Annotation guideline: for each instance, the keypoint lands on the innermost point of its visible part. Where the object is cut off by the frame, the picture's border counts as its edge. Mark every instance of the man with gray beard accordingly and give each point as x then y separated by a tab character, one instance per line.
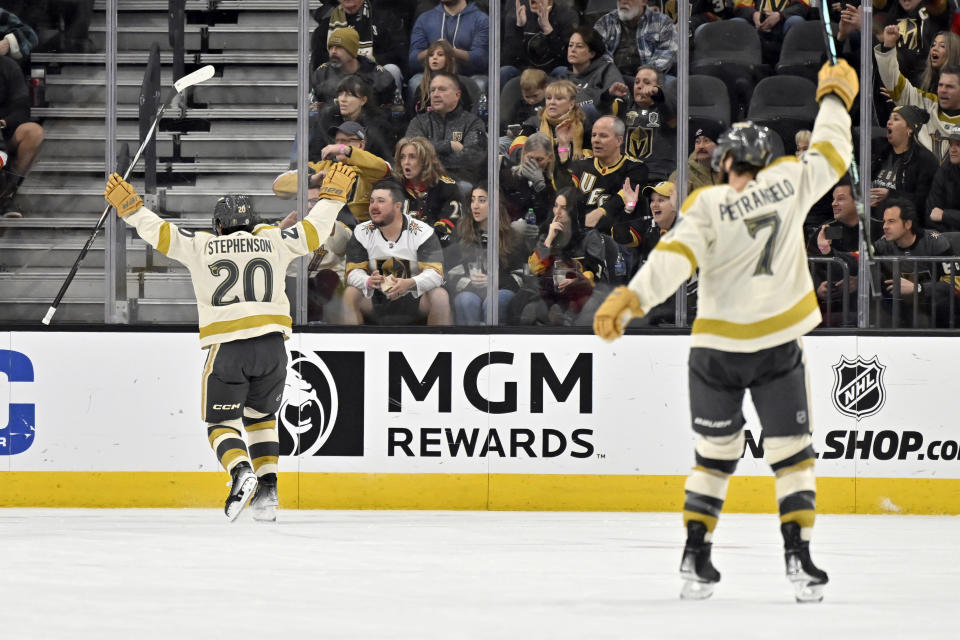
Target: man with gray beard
635	37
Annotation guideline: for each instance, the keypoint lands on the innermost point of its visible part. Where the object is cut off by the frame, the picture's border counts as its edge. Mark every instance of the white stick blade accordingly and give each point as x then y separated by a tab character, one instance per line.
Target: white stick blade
200	75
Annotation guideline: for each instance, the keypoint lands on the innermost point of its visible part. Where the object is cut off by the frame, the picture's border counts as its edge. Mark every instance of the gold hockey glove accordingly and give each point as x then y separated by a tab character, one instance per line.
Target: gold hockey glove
839	79
616	311
121	195
338	183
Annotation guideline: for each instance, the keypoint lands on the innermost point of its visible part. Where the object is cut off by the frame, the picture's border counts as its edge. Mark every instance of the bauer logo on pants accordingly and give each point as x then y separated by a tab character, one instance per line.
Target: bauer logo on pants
858	389
322	409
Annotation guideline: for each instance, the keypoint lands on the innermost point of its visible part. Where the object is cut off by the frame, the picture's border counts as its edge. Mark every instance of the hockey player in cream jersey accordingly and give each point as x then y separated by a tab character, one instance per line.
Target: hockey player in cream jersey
238	278
756	300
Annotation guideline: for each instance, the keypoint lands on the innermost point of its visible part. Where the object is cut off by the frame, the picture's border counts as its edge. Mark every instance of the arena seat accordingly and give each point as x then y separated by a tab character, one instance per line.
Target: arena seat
785	104
803	51
709	99
731	51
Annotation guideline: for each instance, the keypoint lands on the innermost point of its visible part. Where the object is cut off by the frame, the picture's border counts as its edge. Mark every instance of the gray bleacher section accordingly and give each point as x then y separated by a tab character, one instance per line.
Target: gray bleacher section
248	117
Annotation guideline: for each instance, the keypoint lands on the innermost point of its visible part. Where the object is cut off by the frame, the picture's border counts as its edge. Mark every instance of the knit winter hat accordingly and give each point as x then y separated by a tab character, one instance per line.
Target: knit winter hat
347	39
915	116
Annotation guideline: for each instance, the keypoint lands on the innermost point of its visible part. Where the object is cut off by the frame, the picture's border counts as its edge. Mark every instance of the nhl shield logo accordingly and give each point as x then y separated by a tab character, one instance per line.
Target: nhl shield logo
858	389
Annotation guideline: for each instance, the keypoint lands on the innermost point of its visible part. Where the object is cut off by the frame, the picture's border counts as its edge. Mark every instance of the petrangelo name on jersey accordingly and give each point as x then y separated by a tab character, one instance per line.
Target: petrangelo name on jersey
238	245
867	444
756	199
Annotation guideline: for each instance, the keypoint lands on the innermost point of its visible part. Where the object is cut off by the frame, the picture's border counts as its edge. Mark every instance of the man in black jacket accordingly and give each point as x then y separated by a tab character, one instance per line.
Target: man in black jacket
343	47
383	32
943	203
459	137
902	236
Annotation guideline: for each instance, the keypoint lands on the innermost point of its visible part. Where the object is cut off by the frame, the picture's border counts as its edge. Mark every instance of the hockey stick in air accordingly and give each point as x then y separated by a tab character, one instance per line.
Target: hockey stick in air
200	75
854	172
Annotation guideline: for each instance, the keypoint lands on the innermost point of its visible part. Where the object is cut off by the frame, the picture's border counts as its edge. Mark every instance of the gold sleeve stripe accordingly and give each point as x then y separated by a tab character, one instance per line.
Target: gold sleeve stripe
898	89
781	160
828	151
313	238
357	265
207	370
436	266
163	243
675	246
250	322
691	197
750	330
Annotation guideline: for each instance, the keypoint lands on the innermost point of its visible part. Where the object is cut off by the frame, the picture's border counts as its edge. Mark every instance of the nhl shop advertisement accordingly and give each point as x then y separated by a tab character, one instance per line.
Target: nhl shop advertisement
464	404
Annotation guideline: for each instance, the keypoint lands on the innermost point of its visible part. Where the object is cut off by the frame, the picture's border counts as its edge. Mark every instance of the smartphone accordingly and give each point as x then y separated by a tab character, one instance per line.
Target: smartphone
833	232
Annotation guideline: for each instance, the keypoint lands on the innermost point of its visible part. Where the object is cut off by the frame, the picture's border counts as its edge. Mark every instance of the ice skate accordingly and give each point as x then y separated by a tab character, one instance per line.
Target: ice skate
244	484
808	581
263	506
696	569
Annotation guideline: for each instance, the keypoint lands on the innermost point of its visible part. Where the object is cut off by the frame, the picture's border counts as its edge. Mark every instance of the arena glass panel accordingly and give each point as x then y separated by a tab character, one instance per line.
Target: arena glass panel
48	200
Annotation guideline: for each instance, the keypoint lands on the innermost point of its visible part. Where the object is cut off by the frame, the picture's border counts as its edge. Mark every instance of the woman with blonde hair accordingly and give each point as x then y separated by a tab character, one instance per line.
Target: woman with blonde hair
944	52
564	122
432	196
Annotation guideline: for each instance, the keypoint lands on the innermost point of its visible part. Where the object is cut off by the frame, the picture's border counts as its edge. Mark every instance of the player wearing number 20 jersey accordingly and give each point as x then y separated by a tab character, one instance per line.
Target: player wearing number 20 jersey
238	278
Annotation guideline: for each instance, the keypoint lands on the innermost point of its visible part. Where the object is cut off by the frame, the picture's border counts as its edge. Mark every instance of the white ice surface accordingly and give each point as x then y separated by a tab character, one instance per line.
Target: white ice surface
174	574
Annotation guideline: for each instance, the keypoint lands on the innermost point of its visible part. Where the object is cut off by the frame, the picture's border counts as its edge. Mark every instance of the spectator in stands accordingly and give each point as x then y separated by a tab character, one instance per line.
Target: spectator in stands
382	34
593	72
468	278
348	147
636	37
22	137
354	103
704	11
600	179
439	58
561	118
535	36
513	113
839	238
902	236
70	19
802	141
17	39
459	136
461	24
918	22
906	168
432	196
343	48
700	172
325	271
943	53
569	263
529	185
772	19
394	266
652	123
944	109
943	203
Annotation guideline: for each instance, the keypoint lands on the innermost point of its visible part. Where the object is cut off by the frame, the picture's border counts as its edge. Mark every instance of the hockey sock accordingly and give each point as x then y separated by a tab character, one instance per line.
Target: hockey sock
264	444
228	444
706	487
792	460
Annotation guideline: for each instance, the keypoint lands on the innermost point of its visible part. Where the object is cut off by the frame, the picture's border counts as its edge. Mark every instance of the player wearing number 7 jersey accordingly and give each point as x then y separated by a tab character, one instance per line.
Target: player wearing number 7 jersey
756	299
238	278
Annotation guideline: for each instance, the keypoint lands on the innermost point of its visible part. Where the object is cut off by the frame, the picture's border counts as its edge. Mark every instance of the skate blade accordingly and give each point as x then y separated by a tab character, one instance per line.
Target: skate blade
696	590
246	492
804	591
268	514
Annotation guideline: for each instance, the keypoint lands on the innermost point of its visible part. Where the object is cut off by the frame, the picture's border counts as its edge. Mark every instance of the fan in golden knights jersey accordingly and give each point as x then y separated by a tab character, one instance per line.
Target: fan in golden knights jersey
394	266
600	179
756	300
238	278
